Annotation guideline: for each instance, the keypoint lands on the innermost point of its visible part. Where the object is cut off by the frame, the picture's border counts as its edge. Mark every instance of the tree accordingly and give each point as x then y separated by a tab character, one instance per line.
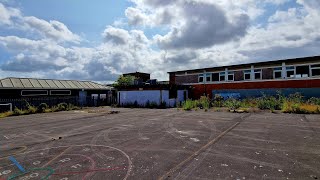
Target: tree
124	81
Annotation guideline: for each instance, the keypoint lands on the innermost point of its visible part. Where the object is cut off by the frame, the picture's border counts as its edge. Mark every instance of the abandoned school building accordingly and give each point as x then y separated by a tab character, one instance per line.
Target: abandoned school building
146	90
51	91
254	79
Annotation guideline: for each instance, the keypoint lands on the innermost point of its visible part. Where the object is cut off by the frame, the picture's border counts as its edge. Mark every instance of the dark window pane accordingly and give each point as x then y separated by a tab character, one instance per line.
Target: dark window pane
315	72
290	74
60	92
201	79
208	78
230	77
34	93
247	76
302	71
277	75
222	78
315	66
257	75
215	77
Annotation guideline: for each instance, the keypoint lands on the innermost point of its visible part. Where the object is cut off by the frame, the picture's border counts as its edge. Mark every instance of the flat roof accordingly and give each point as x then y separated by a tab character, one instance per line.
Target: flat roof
255	63
32	83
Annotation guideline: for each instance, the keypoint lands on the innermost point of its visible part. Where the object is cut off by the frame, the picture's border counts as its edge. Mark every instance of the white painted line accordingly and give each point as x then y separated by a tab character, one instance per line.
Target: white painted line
6	137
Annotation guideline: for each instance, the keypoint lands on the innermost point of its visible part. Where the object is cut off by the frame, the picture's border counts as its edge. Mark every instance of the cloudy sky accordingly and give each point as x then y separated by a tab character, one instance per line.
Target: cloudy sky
100	39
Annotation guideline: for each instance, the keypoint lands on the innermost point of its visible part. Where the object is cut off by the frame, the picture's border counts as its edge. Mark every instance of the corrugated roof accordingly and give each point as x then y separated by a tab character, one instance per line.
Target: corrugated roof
29	83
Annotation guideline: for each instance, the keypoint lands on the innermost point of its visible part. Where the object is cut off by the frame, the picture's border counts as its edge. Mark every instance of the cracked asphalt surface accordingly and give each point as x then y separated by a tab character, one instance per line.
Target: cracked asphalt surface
160	144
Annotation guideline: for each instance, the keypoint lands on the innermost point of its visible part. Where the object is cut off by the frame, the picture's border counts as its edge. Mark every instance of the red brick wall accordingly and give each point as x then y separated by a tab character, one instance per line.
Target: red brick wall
200	89
186	79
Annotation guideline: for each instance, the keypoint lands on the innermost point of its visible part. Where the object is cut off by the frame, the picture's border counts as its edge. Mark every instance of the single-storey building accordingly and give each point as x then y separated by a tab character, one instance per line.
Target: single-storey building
253	79
49	90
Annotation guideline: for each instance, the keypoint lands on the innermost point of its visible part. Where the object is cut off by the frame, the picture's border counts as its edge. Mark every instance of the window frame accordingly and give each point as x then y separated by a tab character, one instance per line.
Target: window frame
69	94
245	72
199	76
35	91
313	68
231	73
256	71
276	70
220	75
208	75
288	70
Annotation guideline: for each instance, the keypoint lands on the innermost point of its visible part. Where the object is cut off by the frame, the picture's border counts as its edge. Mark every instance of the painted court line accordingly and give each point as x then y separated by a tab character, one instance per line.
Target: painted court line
57	156
198	152
15	162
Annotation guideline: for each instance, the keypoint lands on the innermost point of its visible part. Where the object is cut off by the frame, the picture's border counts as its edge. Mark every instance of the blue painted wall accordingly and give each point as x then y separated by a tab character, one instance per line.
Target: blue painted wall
247	93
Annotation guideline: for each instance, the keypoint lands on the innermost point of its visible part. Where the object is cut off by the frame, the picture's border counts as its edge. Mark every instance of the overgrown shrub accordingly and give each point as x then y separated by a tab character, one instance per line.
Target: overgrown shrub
42	107
308	109
232	104
153	105
217	101
189	105
204	102
269	102
163	105
18	111
314	101
6	114
62	106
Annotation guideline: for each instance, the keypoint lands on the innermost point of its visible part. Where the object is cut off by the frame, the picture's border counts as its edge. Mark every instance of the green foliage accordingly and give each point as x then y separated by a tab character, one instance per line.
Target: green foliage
204	102
62	106
189	105
269	102
42	107
6	114
18	112
217	101
124	81
314	101
232	104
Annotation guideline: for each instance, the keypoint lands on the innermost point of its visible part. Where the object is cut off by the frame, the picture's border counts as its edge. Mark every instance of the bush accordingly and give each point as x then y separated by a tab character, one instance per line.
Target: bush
308	109
270	103
289	107
217	101
6	114
18	111
232	104
204	102
189	105
62	107
163	105
32	109
314	101
42	107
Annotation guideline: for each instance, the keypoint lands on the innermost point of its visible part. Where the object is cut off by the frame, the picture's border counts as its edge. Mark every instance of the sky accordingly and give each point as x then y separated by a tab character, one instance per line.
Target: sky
99	40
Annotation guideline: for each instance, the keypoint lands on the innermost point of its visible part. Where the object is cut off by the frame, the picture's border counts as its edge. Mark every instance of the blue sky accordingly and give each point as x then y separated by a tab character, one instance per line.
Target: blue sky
99	40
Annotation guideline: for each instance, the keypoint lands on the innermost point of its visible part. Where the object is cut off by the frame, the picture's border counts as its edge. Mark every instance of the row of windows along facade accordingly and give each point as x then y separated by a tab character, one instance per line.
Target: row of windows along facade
281	72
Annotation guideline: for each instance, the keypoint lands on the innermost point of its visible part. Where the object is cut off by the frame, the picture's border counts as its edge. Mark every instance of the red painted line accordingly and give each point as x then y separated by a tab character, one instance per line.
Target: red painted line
89	170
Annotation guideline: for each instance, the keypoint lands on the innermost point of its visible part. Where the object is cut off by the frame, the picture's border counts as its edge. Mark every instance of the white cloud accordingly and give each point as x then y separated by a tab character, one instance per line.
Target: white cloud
53	29
194	34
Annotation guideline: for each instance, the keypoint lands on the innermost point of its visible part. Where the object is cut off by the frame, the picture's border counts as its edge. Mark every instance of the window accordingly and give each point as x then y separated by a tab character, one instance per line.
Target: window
222	76
290	71
201	78
315	70
302	71
247	74
230	76
34	92
208	77
257	74
215	77
60	92
277	73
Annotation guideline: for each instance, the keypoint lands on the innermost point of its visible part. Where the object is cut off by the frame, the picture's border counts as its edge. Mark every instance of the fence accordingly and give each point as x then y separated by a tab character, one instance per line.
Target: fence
21	103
